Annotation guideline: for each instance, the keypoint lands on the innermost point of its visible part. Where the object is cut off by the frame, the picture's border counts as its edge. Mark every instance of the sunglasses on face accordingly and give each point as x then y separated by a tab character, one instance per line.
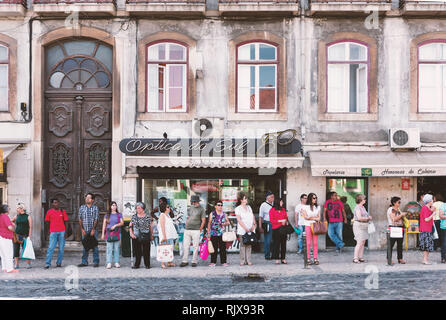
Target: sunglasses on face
219	205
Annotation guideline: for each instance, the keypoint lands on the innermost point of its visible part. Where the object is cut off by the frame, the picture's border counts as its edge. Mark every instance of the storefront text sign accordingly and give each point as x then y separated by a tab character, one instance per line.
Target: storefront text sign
378	172
208	148
405	184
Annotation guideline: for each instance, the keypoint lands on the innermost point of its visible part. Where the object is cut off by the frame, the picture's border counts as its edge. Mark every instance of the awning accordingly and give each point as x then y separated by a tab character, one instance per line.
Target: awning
214	162
8	149
377	164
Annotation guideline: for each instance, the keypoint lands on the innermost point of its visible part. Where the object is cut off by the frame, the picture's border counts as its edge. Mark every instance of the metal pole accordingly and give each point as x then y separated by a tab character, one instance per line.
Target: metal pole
304	247
389	249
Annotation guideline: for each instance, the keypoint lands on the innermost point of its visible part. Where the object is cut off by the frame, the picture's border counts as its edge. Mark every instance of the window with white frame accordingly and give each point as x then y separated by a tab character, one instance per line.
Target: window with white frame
347	78
4	78
166	77
432	77
257	77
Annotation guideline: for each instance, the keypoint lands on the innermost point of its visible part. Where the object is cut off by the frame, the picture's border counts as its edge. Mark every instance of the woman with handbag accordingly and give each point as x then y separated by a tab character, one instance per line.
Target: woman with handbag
23	230
395	218
141	232
311	213
6	234
111	232
426	226
279	219
246	227
166	230
217	222
360	228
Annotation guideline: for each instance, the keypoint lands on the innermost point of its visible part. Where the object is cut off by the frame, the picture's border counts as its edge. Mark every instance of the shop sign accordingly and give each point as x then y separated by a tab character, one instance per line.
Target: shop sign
225	147
405	184
379	172
366	172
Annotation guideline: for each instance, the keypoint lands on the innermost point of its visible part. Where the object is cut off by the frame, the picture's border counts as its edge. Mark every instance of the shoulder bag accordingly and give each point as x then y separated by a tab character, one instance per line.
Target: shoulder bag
112	235
286	229
229	236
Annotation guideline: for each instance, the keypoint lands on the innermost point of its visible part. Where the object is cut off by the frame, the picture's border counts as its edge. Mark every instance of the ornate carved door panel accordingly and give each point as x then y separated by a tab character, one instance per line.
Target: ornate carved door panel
77	153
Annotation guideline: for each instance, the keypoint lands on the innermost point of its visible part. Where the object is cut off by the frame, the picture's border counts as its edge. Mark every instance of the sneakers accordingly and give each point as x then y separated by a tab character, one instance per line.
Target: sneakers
117	265
58	266
183	264
108	266
46	267
81	265
212	265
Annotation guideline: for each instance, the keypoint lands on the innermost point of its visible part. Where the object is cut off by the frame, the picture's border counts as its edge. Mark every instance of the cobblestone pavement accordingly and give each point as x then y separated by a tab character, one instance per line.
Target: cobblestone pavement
403	285
335	278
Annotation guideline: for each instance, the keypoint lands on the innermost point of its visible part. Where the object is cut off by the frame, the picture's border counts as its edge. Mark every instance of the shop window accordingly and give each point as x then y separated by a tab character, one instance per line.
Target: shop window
257	77
166	77
432	77
347	72
4	71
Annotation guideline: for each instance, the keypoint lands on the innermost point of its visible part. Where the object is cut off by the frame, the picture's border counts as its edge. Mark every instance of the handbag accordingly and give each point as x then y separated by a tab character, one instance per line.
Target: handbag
164	253
204	251
143	236
229	236
319	227
396	232
371	228
286	229
112	235
28	250
16	238
210	247
249	238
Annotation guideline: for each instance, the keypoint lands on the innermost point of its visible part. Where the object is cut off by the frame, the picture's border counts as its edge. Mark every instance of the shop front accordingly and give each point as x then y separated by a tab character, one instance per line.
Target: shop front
213	178
380	176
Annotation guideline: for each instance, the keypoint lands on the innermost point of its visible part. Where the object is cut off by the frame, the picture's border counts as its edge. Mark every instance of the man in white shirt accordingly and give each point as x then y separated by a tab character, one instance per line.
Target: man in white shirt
300	221
265	225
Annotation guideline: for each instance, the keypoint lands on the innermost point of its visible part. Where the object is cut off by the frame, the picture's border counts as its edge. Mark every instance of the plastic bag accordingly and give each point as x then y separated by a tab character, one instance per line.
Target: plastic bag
28	250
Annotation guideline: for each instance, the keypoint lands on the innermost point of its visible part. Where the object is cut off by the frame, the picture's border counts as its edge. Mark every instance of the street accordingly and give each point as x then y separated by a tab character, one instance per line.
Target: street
414	285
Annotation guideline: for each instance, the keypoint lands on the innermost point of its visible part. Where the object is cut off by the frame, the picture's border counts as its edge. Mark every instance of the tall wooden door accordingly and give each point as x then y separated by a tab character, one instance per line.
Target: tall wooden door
77	127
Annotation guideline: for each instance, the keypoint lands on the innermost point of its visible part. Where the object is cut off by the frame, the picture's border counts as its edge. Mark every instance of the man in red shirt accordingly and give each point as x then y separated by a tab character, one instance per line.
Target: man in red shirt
57	218
334	209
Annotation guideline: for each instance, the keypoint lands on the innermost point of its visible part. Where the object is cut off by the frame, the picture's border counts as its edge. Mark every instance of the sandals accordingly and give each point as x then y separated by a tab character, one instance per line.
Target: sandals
284	262
316	261
401	261
361	260
356	260
163	266
309	262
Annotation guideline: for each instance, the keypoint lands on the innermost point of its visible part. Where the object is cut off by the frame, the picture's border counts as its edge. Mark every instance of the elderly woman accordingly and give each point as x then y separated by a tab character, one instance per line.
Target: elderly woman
360	228
426	221
141	232
23	230
6	233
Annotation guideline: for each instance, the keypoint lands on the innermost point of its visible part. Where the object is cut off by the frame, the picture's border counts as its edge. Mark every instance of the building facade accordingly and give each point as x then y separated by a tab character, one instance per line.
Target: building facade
97	94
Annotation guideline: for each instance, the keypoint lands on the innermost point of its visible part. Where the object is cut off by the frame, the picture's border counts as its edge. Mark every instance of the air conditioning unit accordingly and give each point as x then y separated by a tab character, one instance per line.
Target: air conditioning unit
208	128
404	138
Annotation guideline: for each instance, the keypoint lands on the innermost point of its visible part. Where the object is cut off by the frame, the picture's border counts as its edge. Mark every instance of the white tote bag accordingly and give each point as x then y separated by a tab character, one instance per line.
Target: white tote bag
164	253
396	232
229	236
434	232
28	251
371	228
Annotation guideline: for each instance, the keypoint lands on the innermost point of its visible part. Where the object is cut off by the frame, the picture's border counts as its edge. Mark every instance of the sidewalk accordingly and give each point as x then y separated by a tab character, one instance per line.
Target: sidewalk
330	262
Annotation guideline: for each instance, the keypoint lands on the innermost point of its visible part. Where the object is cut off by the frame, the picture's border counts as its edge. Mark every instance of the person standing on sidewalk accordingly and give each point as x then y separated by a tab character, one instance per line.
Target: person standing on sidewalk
395	219
311	213
265	225
88	221
300	221
438	204
112	224
196	219
6	234
360	227
278	217
23	230
141	232
57	218
426	222
166	229
217	222
443	232
334	213
246	223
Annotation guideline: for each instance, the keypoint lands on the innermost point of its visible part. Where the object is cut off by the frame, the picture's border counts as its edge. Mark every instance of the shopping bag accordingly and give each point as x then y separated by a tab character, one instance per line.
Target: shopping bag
164	253
204	251
396	232
28	251
210	247
371	228
434	232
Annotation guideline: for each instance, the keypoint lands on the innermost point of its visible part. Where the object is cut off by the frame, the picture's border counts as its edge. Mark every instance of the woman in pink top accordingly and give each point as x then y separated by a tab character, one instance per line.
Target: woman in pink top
426	221
278	218
6	234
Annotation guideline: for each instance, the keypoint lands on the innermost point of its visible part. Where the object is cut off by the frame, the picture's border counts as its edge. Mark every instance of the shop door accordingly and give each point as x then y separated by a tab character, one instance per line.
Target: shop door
77	154
347	189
